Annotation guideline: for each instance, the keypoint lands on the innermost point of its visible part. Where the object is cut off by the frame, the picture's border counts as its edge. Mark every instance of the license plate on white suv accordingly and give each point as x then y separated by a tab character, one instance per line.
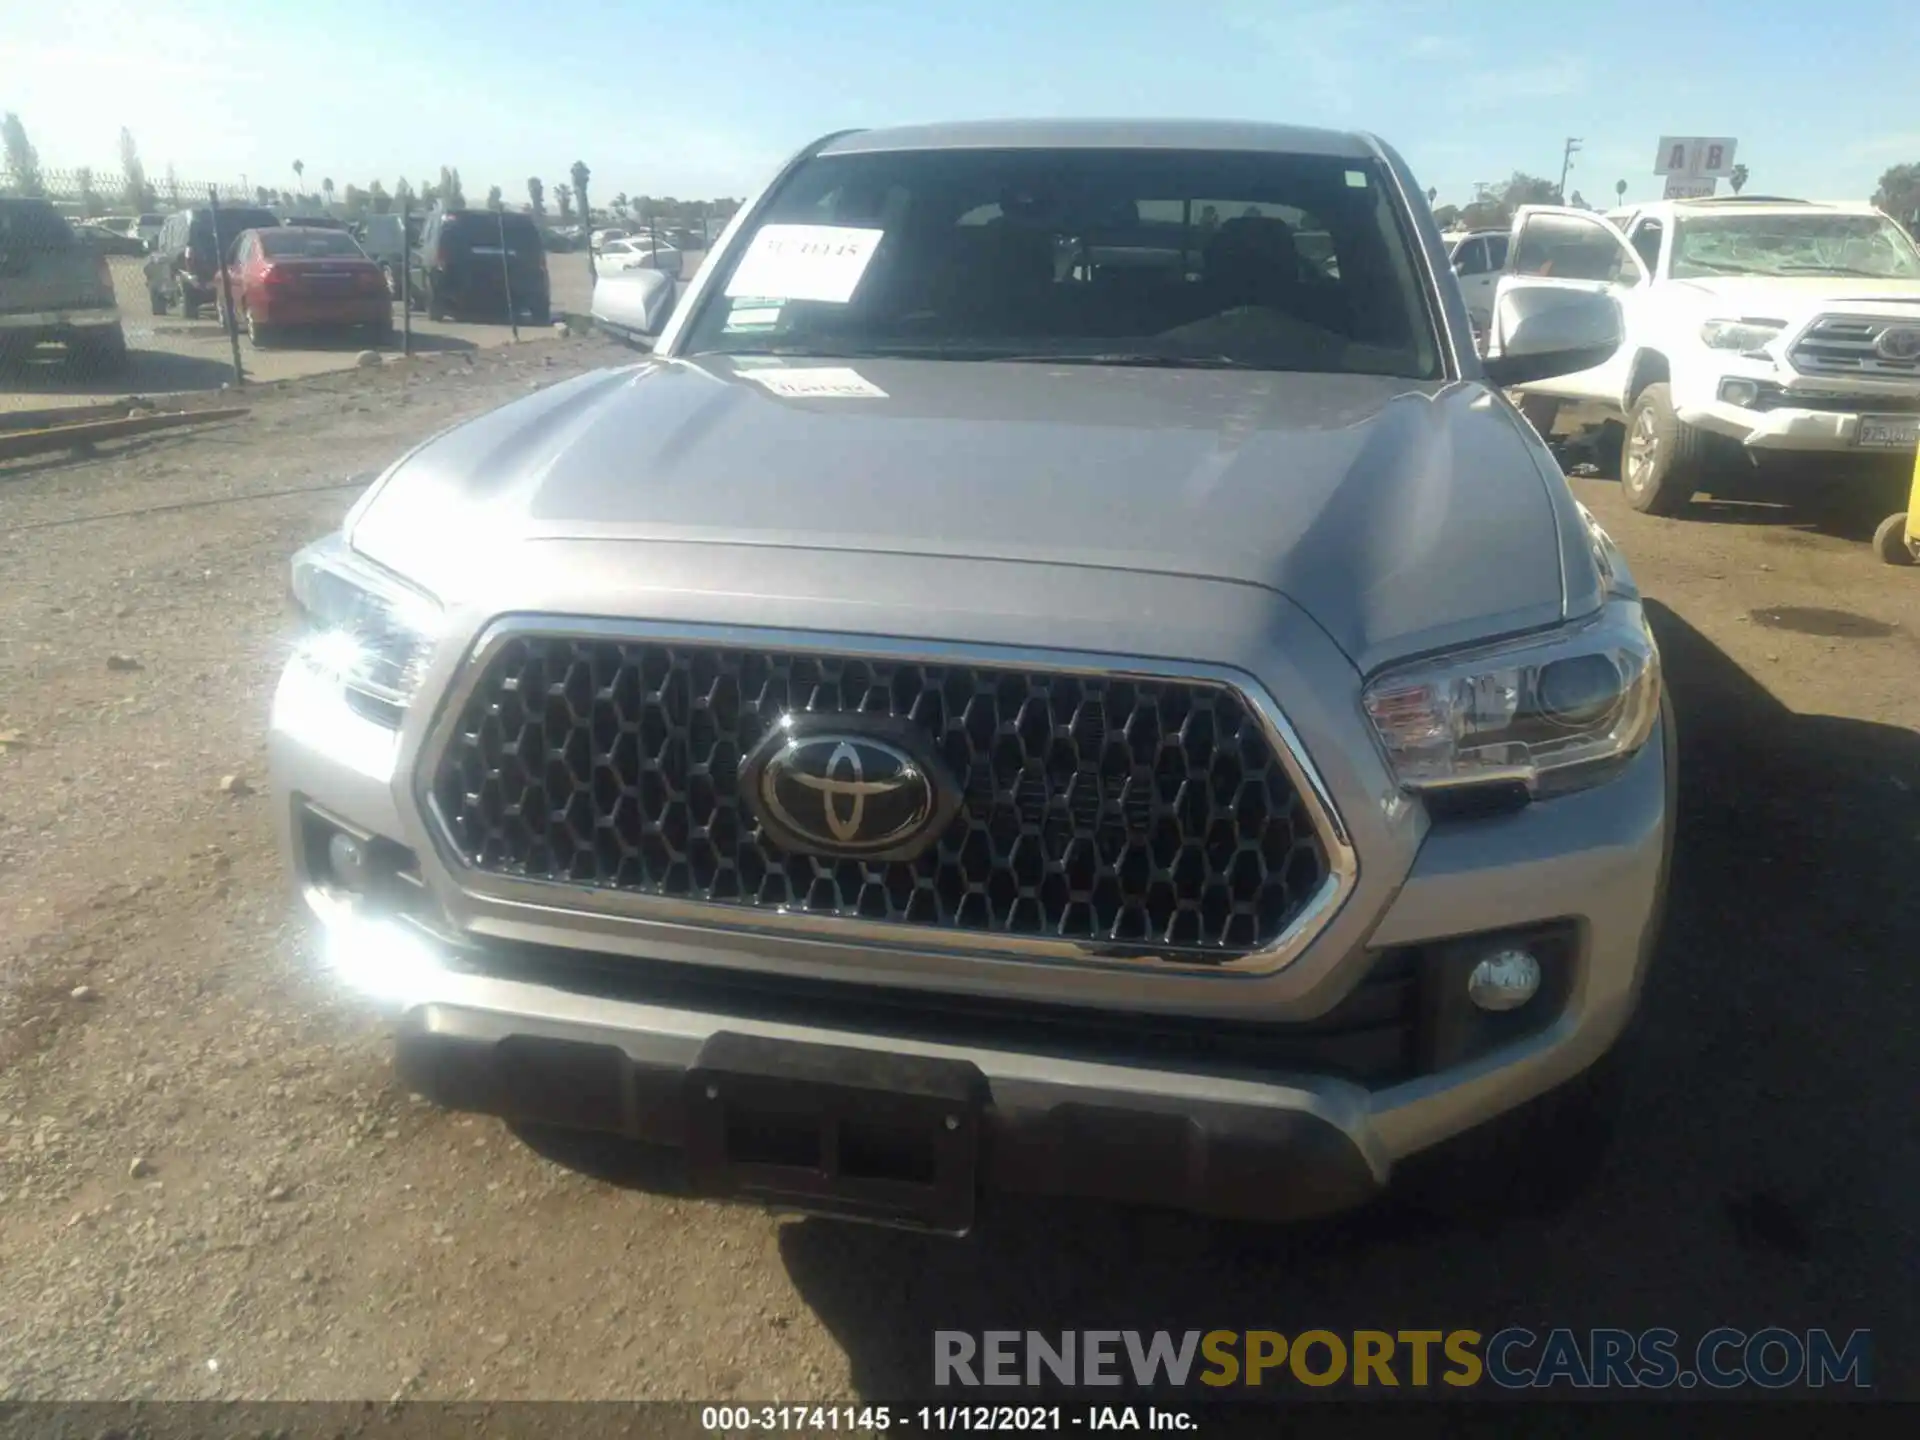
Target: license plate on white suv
1888	432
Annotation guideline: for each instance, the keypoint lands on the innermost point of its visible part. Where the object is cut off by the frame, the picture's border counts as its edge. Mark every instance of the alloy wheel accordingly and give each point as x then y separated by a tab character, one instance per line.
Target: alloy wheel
1643	451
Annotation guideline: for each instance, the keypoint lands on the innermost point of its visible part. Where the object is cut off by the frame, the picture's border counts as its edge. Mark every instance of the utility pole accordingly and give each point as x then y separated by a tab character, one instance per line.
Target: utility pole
1566	164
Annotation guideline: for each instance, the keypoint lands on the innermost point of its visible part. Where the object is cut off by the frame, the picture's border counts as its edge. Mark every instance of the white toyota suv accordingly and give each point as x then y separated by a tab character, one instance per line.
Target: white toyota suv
1753	329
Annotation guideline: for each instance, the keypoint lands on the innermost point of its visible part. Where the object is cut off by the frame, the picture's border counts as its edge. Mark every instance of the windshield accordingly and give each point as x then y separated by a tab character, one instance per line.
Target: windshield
1270	261
1812	244
287	244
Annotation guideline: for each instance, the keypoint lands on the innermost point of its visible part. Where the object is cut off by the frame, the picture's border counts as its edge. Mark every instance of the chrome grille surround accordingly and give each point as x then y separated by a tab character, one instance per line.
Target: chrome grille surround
1844	345
860	911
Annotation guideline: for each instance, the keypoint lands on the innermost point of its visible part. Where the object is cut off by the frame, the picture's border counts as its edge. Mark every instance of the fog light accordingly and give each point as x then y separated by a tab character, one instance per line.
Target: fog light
347	860
1739	392
1505	980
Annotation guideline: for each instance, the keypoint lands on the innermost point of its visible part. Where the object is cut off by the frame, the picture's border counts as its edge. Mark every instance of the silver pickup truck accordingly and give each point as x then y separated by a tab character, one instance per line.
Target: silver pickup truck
962	717
55	289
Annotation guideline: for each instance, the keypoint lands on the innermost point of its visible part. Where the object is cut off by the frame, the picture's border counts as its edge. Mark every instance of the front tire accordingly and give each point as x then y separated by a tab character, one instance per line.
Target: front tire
436	307
1890	541
189	302
258	335
1665	460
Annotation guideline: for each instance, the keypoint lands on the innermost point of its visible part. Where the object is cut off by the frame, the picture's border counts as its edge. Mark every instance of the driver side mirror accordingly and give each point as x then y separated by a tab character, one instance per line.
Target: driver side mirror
1543	328
634	305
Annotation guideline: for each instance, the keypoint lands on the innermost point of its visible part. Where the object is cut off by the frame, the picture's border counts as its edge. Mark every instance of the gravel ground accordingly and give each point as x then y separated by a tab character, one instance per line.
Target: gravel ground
210	1185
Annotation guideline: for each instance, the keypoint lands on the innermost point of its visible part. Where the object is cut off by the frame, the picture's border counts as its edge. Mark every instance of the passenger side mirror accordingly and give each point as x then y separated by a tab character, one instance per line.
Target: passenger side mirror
1543	328
634	305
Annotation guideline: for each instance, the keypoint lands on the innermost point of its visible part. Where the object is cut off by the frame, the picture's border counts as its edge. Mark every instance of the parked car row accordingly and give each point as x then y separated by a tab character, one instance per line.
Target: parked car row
275	276
465	264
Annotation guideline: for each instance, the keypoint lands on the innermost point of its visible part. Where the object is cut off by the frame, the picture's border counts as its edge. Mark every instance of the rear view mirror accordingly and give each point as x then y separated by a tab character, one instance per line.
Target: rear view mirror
634	304
1543	328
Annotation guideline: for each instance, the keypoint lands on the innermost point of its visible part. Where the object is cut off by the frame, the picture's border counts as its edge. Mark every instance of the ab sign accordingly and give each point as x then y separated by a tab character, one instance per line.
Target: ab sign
1693	164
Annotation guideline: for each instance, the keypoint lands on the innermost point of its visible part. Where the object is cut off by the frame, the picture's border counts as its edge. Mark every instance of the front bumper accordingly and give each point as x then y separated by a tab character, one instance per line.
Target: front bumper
1785	430
1112	1120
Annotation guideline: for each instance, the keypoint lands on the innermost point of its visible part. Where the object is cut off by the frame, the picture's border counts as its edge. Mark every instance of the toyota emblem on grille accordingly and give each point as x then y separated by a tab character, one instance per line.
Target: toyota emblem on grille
1898	342
848	786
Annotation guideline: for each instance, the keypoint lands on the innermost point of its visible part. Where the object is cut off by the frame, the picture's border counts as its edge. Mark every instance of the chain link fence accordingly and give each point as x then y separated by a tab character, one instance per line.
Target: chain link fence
85	194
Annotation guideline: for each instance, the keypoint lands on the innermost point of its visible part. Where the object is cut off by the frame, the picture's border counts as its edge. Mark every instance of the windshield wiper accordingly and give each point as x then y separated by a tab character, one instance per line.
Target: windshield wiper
1141	359
1802	267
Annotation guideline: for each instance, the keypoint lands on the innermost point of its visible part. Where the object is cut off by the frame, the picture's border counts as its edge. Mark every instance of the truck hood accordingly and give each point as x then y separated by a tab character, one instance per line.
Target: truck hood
1786	298
1402	516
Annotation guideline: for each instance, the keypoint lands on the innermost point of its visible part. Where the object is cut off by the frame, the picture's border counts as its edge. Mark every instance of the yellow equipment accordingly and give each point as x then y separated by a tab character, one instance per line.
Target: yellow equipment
1898	538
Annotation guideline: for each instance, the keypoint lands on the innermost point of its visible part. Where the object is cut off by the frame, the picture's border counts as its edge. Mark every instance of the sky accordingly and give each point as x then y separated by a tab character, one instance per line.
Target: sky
704	98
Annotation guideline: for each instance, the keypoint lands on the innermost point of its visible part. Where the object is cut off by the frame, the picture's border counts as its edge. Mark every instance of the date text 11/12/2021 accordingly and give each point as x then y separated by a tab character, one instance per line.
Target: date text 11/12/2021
940	1419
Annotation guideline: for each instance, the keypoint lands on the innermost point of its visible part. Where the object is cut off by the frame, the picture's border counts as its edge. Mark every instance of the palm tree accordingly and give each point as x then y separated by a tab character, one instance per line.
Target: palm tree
326	189
1738	178
299	173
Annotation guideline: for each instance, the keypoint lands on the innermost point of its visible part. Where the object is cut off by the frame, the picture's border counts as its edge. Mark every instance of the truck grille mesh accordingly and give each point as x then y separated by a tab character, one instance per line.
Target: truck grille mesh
1845	345
1111	811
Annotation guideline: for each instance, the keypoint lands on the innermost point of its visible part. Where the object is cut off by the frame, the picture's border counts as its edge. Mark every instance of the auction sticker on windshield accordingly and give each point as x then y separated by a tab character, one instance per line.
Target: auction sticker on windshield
753	313
804	262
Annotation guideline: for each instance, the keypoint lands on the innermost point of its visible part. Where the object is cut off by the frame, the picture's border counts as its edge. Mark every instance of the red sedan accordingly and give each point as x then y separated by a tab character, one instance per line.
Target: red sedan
307	277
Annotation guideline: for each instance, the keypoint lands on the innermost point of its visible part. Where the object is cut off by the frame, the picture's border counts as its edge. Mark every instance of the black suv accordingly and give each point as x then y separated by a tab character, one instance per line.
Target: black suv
470	262
183	266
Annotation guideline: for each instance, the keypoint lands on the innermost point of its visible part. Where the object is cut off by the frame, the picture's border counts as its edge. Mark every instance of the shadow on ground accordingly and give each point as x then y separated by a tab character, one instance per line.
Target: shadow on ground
1844	498
147	372
332	341
1765	1172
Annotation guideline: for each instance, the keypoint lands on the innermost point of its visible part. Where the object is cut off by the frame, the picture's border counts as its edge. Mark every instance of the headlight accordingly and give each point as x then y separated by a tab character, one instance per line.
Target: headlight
1547	712
1745	336
367	630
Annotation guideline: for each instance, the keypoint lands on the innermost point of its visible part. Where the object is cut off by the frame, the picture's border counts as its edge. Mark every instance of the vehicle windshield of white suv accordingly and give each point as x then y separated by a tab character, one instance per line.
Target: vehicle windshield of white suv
1812	244
1093	256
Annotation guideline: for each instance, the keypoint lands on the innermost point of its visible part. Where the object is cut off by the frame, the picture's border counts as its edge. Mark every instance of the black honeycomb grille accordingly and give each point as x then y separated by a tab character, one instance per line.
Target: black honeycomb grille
1111	811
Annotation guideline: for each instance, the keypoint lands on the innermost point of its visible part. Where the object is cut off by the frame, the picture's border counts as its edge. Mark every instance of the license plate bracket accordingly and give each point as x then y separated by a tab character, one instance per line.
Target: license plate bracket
1888	432
834	1130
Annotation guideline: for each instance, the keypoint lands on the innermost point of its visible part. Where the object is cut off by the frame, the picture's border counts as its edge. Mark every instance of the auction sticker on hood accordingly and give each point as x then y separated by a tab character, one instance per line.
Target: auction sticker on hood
817	382
804	262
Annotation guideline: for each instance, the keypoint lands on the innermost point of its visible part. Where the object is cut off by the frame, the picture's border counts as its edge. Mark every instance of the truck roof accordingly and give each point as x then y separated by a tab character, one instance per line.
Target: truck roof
1108	134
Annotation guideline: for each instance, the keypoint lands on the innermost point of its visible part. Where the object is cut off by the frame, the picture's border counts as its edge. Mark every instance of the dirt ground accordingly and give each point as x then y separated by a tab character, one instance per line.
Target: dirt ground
210	1185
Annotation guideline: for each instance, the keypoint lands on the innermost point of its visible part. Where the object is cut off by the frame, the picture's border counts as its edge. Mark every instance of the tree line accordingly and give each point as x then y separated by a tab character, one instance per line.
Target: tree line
135	191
